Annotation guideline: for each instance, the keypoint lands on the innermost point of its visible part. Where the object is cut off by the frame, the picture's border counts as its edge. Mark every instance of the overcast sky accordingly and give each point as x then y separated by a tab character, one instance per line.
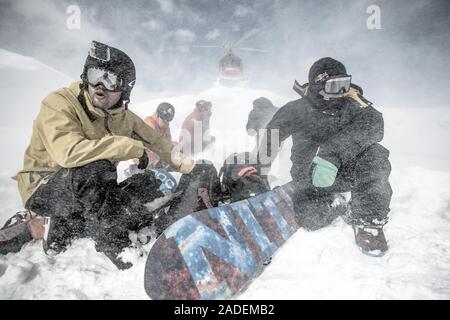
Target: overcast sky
403	63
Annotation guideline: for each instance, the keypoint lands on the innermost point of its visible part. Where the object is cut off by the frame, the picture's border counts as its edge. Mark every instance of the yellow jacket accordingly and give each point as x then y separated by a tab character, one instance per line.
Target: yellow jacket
66	135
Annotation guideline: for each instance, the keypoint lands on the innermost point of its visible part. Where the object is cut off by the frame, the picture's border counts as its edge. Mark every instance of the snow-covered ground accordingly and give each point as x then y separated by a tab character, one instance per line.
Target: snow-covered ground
321	264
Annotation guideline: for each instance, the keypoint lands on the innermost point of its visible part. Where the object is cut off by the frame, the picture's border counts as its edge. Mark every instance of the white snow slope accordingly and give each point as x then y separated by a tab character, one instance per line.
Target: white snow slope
312	265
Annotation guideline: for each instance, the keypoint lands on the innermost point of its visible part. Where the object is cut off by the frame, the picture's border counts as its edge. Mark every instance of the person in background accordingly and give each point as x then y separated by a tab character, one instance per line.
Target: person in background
195	135
259	116
160	122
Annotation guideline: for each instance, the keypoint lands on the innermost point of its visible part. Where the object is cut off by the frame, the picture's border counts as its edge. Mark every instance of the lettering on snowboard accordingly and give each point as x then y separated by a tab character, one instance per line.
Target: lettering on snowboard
225	247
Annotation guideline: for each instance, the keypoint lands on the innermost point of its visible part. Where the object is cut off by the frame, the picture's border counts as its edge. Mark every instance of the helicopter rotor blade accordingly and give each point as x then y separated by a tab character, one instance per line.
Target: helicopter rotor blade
205	46
246	36
252	49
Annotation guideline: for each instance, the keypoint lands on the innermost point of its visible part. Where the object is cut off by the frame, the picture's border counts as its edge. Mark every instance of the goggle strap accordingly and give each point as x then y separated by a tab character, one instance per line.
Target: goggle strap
355	95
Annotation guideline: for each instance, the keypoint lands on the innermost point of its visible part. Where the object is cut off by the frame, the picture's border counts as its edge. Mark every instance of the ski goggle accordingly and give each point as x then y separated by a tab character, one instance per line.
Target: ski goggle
109	80
337	84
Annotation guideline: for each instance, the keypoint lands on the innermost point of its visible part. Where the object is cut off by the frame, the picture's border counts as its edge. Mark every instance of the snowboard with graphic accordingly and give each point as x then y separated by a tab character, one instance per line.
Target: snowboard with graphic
216	253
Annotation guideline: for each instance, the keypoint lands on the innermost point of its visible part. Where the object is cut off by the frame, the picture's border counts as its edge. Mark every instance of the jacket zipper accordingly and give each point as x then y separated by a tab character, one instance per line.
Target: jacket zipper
106	122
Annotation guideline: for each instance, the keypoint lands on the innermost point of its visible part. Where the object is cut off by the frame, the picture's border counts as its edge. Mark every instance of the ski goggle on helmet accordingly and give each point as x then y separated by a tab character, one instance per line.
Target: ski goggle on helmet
108	79
337	84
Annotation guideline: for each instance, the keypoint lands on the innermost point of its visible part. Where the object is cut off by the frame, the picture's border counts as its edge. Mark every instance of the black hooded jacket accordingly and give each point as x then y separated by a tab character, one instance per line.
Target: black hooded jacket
260	115
336	130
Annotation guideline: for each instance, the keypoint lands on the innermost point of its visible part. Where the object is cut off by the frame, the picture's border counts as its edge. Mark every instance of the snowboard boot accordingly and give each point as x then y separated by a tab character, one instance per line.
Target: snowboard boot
371	239
14	234
21	228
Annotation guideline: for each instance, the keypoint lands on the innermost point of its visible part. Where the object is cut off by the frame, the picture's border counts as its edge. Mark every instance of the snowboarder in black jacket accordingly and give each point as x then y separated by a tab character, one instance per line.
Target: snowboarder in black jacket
336	134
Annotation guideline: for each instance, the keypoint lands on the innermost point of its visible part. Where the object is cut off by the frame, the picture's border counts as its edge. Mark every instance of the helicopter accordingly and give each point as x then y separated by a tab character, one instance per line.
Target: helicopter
231	68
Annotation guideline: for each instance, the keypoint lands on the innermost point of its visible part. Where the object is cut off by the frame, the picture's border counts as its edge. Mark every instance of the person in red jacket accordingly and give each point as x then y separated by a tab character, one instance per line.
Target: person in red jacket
159	121
195	135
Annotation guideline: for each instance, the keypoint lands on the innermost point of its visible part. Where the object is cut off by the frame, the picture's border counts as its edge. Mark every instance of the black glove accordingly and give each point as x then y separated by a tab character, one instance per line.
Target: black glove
143	161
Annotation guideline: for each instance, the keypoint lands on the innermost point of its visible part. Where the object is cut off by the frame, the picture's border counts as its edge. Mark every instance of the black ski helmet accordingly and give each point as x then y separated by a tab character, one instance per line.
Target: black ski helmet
165	111
112	59
320	70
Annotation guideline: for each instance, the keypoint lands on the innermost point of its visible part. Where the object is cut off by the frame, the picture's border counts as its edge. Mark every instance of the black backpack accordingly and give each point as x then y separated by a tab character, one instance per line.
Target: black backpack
237	187
197	190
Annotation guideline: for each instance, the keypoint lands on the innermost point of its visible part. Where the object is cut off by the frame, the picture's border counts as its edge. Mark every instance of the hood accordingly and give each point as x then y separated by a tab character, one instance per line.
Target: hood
263	103
321	69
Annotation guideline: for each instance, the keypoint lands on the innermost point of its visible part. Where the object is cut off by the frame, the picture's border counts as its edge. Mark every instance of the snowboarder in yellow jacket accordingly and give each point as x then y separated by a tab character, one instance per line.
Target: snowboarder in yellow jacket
79	136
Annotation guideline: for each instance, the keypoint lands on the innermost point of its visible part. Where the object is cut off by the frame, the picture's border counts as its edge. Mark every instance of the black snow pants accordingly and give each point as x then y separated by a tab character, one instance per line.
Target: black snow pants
87	201
366	177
